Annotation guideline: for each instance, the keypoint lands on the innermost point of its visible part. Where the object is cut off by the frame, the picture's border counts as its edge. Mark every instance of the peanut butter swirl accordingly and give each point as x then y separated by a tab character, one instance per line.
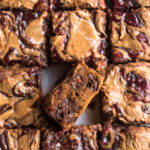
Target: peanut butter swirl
127	93
22	38
20	92
20	139
130	35
79	35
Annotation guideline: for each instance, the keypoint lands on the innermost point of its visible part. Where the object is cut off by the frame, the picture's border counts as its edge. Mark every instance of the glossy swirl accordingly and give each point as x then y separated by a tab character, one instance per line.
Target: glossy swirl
19	92
22	38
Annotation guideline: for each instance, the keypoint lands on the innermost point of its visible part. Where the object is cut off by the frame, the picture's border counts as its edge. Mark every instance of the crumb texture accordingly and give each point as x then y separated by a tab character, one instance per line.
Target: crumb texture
70	98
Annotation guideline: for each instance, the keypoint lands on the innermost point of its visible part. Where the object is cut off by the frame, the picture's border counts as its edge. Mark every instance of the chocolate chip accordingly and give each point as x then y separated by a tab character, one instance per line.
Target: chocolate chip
93	83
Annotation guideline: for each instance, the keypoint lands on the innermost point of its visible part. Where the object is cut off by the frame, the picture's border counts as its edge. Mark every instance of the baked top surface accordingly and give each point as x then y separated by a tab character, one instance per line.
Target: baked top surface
124	138
22	139
130	32
126	90
72	41
38	5
22	38
76	35
20	90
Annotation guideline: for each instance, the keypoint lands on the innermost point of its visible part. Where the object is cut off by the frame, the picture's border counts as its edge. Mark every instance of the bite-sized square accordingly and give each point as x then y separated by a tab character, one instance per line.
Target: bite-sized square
79	35
20	93
76	138
130	4
38	5
124	138
70	98
22	38
127	93
130	35
20	139
63	4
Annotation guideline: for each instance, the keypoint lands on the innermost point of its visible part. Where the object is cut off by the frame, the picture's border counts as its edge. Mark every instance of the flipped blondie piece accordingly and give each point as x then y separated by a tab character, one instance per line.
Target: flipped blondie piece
61	4
127	93
79	35
38	5
130	4
19	139
76	138
20	93
70	98
130	35
22	38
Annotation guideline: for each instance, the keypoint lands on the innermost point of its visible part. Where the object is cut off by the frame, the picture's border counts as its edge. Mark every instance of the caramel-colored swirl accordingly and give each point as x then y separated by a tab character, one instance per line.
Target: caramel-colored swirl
22	37
127	92
131	35
23	139
29	4
75	42
19	91
108	139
